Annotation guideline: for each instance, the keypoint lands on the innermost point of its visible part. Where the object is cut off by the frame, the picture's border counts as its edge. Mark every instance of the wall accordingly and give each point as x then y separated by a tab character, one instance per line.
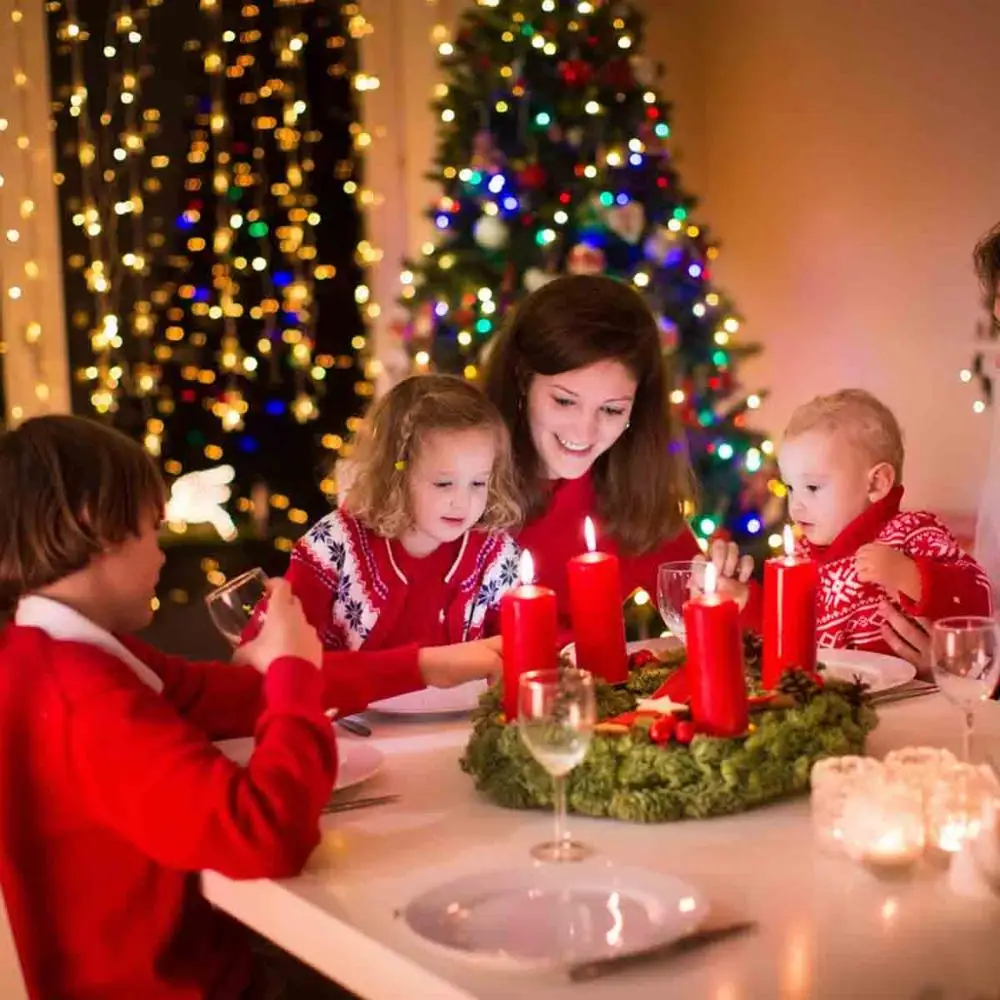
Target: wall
847	158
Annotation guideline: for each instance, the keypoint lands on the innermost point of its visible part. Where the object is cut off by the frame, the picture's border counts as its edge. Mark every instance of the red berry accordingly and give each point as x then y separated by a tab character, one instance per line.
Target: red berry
641	657
684	731
661	730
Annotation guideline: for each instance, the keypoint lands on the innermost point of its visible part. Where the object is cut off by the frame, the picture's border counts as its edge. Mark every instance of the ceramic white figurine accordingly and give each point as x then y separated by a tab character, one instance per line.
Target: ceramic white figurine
975	870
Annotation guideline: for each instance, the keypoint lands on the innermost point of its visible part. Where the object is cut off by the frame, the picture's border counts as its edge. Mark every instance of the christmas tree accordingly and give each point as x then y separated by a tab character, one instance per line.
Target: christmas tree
258	332
553	157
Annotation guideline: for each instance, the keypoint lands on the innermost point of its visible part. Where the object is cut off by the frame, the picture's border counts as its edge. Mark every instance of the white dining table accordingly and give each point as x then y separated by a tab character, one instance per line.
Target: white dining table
825	926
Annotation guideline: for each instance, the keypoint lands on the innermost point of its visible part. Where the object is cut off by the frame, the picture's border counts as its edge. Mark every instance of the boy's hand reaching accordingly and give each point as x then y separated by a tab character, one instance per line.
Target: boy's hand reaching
285	632
734	571
447	666
889	568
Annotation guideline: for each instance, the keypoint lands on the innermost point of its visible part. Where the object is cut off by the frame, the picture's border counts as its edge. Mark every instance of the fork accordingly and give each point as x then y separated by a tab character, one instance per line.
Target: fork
365	803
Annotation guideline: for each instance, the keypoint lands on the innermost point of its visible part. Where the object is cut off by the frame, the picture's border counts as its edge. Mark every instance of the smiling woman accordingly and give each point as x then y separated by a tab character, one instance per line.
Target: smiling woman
580	380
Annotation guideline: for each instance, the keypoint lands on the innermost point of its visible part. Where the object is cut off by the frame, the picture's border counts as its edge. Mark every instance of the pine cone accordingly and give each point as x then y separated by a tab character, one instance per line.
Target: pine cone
800	685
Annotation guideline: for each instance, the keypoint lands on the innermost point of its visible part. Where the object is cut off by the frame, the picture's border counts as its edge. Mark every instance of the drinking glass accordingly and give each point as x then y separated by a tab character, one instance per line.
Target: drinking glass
231	606
556	716
676	583
966	666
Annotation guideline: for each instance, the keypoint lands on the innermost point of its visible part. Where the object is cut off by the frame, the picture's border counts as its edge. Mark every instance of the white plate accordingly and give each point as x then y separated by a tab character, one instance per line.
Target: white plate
549	915
879	671
357	761
662	644
433	701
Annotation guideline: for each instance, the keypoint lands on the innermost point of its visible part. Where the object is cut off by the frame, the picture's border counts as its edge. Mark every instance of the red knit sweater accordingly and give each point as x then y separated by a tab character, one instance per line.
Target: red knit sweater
114	799
951	581
556	535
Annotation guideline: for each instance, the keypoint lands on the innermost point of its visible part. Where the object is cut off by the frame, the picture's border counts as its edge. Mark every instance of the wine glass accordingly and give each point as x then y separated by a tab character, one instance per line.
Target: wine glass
556	714
232	605
966	664
676	582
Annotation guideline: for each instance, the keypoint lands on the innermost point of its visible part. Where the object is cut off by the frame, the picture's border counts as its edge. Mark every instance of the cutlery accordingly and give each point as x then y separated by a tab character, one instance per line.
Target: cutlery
704	935
353	726
913	690
366	803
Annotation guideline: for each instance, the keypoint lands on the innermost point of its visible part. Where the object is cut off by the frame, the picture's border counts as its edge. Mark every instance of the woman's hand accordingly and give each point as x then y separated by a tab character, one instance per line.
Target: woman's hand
908	638
734	571
285	631
447	666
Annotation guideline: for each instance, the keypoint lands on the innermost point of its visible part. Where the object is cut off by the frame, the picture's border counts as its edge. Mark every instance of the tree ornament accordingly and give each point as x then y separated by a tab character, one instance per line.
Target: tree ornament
535	278
575	136
627	221
644	70
669	334
485	155
586	259
575	72
617	74
490	232
658	244
532	176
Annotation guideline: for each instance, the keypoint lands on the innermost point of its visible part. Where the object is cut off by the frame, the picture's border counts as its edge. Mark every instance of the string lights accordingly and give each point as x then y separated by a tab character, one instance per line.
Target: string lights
552	158
25	262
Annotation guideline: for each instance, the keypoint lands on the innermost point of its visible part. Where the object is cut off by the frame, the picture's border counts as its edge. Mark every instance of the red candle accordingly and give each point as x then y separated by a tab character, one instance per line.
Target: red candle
715	662
595	603
528	631
790	585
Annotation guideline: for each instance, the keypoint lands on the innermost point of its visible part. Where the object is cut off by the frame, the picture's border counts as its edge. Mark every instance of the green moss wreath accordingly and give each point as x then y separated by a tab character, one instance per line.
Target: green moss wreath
631	778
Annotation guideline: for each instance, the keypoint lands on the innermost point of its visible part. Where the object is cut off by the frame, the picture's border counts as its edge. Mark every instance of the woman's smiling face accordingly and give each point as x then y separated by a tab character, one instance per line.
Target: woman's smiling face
578	415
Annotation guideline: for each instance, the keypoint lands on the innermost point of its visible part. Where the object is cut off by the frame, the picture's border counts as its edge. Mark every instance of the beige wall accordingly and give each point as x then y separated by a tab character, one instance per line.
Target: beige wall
847	153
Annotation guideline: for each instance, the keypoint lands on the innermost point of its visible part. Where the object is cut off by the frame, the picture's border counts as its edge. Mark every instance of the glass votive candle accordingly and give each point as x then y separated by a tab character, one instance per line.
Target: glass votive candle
832	780
920	766
955	806
883	823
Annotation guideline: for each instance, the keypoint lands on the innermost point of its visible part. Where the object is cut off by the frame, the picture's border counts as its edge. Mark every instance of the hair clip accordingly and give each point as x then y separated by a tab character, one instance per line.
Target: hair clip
400	465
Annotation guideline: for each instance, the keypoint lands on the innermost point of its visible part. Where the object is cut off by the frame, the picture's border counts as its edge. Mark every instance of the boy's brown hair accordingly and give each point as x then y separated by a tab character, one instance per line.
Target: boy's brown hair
643	481
866	422
69	487
378	495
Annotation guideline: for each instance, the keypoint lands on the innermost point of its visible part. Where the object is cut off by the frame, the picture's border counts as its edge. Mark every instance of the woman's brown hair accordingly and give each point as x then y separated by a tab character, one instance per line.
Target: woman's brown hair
69	487
986	258
392	435
644	478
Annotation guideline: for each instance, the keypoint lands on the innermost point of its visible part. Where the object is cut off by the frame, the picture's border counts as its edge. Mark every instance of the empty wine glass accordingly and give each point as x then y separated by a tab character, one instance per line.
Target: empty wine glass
964	659
556	715
232	605
676	582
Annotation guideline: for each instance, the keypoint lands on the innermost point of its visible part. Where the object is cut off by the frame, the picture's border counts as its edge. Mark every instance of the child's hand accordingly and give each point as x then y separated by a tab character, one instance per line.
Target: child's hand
446	666
285	632
733	571
889	568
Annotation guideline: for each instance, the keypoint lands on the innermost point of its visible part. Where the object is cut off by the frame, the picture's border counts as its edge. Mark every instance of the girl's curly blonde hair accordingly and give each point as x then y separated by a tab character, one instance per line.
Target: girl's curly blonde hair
391	436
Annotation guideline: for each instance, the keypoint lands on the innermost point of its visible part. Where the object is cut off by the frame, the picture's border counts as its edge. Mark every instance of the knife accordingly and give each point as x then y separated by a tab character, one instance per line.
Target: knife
585	971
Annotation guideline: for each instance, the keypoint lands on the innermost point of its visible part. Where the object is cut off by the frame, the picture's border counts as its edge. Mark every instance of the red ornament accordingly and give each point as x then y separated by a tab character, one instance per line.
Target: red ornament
576	72
532	176
617	74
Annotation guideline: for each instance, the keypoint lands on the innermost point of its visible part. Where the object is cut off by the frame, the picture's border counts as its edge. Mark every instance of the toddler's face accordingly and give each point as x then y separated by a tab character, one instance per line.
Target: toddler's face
828	482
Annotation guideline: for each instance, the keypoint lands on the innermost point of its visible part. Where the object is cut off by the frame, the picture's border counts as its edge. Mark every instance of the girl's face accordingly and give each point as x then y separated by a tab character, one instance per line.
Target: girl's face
576	416
448	479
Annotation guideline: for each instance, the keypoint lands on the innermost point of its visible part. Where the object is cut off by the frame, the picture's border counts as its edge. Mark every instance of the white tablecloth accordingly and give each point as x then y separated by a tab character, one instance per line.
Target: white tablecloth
826	927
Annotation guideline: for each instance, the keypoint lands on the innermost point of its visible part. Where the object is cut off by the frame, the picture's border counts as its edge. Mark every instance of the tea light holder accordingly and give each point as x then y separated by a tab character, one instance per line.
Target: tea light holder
955	806
833	780
975	869
883	823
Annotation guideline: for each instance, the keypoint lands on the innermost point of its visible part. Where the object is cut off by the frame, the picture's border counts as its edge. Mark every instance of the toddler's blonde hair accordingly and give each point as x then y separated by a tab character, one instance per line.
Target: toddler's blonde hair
392	435
867	424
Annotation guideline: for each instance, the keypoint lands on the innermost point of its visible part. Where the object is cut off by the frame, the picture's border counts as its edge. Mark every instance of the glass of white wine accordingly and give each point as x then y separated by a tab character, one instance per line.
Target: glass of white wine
231	606
556	715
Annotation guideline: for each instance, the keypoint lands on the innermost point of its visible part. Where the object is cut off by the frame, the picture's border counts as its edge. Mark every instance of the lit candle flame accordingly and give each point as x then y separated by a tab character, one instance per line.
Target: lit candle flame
526	569
789	541
590	535
711	579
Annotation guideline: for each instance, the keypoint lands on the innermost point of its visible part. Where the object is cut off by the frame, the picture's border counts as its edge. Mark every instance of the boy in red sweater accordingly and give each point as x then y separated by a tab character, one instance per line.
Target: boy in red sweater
842	461
113	795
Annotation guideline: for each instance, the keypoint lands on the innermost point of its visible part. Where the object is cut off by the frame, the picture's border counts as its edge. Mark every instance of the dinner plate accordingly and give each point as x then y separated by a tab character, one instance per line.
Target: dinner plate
433	701
357	761
659	645
878	671
548	915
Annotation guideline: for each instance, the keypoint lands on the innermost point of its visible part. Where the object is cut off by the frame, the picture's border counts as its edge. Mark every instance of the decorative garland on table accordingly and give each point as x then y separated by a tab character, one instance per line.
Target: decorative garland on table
628	776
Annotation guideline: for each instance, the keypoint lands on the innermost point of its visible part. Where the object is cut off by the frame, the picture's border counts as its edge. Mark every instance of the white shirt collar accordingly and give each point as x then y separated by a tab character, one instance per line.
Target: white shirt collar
60	621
